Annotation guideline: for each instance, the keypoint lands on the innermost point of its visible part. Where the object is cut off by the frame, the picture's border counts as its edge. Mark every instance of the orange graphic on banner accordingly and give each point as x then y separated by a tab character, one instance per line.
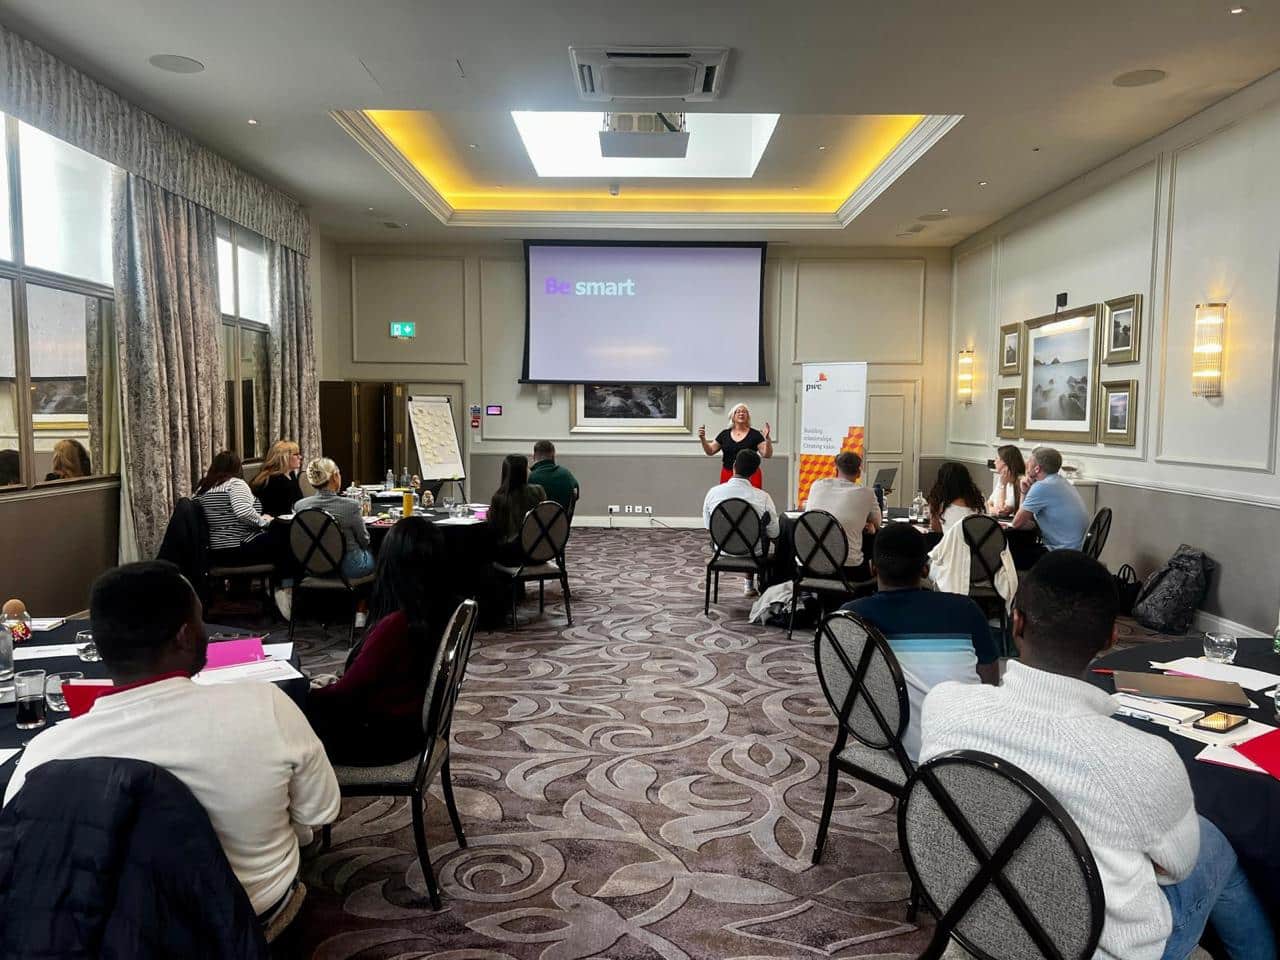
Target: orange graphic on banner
815	466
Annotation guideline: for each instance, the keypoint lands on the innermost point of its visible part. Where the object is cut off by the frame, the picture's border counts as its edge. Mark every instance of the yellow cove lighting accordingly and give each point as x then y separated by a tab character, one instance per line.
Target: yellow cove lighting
430	144
1207	352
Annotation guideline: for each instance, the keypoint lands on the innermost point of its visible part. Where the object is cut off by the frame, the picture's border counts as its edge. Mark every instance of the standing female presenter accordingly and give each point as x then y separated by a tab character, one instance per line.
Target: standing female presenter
739	435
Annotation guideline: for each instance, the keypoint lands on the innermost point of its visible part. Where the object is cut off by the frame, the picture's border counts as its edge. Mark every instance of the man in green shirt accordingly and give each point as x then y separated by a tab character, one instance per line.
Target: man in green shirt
560	484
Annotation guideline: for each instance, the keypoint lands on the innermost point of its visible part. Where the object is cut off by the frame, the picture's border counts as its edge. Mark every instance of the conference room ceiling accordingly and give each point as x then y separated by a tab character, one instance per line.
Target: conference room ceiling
1032	81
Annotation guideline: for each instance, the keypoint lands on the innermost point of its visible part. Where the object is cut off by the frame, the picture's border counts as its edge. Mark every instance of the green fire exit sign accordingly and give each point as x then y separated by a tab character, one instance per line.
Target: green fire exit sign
404	329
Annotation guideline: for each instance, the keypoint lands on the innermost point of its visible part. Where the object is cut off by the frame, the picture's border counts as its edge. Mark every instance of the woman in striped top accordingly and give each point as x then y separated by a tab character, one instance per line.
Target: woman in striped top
236	524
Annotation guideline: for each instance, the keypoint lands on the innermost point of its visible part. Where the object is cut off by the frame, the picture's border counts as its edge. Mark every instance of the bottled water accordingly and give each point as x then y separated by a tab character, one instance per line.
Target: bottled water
390	482
917	506
1275	647
404	477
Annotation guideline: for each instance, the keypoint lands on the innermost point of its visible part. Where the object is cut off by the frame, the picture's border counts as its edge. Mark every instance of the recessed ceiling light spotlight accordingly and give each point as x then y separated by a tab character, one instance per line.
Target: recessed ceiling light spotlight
982	183
944	210
1237	10
1139	78
474	146
822	146
174	63
253	122
615	189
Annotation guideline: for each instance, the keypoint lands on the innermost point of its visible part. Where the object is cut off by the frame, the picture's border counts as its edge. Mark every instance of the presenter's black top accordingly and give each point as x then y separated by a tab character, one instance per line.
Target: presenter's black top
729	447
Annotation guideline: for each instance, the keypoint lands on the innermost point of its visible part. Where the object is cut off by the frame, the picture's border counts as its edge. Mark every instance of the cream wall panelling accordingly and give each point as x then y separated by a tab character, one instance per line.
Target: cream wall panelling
850	310
1224	209
973	325
428	290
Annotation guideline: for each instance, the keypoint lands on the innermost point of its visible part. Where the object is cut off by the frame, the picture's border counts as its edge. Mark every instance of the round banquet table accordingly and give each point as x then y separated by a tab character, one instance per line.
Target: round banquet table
469	546
1244	805
11	737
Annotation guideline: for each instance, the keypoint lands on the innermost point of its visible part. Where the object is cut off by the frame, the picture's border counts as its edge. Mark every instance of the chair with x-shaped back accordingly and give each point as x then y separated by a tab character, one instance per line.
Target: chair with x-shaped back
821	550
738	545
543	536
318	548
998	860
987	543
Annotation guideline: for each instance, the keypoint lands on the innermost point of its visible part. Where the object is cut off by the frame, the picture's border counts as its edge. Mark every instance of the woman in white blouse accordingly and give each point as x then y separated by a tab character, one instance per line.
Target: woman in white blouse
1011	471
953	497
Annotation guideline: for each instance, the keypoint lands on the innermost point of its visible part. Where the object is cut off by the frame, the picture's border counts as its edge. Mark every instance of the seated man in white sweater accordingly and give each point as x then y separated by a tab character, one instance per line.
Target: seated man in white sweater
1165	871
244	749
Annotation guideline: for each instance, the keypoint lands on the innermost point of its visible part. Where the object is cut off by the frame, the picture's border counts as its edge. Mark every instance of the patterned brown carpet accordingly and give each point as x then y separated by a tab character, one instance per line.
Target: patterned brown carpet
643	784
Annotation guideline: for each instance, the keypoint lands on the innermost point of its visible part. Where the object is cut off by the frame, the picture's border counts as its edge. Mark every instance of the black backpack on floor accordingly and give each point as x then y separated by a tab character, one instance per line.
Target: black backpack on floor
1170	597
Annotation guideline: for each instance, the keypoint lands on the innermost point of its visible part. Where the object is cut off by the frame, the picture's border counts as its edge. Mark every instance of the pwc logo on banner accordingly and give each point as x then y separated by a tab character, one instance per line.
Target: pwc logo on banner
816	384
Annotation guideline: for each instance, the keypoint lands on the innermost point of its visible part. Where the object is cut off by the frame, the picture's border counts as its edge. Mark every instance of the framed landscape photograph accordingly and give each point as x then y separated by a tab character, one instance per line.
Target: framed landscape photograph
1010	349
628	408
1058	392
1118	412
1121	329
1009	413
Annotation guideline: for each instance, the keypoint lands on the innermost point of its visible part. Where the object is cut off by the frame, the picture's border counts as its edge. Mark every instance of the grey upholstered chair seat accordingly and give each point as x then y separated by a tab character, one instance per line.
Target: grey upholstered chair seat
831	584
744	564
880	762
248	570
403	772
533	570
333	583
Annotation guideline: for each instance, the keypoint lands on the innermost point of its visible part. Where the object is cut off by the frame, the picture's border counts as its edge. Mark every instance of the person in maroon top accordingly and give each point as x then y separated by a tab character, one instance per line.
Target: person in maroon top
373	714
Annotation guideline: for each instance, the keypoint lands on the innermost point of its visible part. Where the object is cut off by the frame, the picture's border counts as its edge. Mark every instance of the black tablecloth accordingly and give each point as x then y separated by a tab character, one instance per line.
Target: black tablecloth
11	736
469	548
1245	806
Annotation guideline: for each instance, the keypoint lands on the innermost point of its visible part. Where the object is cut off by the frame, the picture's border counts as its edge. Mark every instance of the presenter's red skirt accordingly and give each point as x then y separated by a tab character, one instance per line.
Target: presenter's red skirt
757	478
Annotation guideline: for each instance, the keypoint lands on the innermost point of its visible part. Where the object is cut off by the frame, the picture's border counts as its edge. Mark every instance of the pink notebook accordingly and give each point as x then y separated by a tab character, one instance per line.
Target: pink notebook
228	653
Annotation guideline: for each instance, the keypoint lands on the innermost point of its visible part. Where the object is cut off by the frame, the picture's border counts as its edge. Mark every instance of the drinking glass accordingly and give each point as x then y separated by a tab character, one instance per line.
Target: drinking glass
29	691
1219	647
53	689
86	649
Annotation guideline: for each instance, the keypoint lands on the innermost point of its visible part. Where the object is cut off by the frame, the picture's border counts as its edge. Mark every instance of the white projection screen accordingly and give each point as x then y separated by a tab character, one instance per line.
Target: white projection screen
682	313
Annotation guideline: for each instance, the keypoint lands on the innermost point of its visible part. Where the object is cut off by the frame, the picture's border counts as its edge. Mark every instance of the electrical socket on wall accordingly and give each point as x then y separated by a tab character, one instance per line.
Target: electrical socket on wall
636	509
627	509
649	511
614	508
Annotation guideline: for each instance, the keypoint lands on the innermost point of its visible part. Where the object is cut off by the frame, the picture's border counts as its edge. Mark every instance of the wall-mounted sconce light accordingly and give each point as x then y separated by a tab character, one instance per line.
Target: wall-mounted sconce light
964	376
1207	355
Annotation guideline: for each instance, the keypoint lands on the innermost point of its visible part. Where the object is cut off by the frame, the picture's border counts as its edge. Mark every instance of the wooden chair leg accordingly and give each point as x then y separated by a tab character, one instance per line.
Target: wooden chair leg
446	784
828	802
424	854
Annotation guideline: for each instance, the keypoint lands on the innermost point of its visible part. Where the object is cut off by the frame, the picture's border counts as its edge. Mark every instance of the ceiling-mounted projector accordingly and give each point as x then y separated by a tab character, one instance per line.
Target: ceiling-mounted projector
644	135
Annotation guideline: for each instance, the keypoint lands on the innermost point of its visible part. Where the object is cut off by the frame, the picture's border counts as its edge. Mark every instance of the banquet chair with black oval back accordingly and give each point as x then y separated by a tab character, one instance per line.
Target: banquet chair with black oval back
412	777
998	861
864	686
318	548
987	542
821	549
738	545
1095	537
543	536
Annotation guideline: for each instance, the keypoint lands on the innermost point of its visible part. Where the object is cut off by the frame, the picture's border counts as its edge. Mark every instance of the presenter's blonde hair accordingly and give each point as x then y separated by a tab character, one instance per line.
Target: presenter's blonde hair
320	471
734	412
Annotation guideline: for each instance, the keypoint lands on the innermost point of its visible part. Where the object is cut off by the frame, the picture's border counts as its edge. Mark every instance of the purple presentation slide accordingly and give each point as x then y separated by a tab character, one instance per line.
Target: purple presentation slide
605	314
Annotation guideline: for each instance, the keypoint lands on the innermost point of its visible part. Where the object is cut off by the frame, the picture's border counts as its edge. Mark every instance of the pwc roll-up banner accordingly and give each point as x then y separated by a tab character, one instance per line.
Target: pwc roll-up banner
833	418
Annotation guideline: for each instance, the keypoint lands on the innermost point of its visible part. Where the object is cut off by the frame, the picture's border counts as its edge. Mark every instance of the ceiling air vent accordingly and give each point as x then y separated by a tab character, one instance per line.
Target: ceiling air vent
648	72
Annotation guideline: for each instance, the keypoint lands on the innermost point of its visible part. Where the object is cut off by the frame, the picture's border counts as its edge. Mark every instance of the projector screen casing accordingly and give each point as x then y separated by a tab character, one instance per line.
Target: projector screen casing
759	380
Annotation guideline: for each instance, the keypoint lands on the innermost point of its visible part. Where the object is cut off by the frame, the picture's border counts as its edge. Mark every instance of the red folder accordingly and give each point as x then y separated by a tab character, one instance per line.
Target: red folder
1264	751
81	694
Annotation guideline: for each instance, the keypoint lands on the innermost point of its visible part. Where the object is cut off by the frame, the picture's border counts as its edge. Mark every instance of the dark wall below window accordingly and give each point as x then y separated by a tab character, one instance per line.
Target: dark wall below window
53	546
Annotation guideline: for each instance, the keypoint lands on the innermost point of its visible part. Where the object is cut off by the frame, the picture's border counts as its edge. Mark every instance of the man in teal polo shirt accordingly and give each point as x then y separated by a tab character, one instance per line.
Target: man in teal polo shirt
560	485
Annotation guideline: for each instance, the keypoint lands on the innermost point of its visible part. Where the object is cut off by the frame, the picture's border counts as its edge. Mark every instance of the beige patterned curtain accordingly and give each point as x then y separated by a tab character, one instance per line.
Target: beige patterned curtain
103	386
295	396
167	322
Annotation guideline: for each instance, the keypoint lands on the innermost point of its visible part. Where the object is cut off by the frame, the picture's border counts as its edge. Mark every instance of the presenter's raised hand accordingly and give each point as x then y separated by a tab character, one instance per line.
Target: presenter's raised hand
702	432
768	432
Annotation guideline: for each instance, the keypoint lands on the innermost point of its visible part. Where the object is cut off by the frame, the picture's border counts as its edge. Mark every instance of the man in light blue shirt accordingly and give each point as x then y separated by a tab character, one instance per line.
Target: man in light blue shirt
1051	503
